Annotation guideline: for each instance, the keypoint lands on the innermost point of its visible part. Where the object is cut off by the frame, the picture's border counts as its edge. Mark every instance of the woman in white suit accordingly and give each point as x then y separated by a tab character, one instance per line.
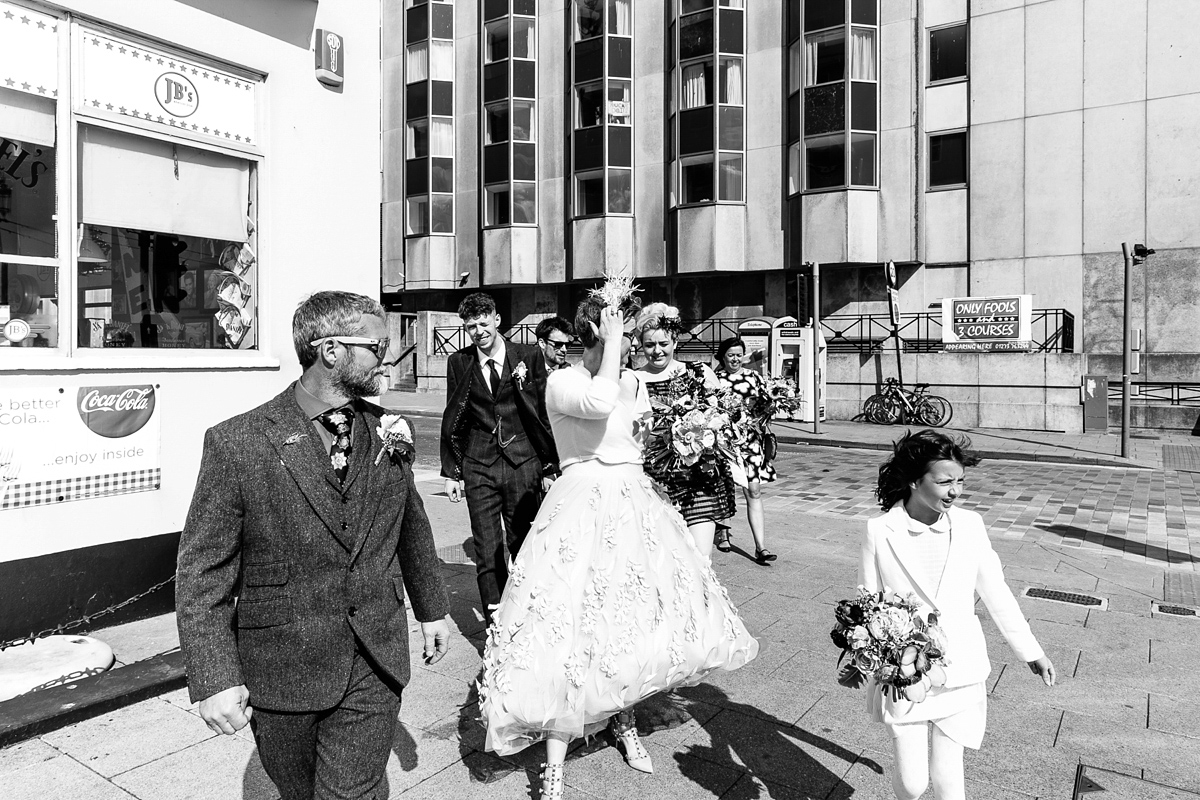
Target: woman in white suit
923	544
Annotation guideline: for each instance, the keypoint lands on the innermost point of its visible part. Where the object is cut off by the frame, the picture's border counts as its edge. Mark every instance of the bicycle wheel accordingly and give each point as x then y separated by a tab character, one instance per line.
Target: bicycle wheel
947	410
933	411
881	409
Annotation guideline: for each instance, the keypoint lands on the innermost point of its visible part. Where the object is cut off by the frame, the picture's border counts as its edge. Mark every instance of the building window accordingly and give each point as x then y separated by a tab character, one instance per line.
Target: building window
948	53
171	264
510	113
832	123
429	115
707	142
948	159
602	78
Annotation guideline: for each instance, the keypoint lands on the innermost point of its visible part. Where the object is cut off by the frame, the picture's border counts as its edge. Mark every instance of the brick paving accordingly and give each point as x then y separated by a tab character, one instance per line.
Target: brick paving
1150	516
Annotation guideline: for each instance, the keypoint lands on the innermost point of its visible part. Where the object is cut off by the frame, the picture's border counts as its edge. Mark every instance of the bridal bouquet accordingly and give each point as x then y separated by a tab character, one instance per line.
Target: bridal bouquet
696	431
885	638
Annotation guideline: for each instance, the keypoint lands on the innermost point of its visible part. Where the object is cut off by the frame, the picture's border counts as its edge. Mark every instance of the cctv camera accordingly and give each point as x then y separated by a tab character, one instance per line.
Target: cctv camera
464	274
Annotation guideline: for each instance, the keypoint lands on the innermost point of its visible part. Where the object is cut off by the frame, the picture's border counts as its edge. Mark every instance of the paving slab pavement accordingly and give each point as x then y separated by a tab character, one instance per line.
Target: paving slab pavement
780	727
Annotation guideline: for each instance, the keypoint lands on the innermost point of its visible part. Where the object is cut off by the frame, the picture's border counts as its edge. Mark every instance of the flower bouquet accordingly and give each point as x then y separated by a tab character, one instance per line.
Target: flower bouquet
886	638
696	432
780	398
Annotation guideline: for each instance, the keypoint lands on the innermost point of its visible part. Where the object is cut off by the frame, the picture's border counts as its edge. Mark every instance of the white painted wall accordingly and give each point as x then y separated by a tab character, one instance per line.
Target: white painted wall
319	197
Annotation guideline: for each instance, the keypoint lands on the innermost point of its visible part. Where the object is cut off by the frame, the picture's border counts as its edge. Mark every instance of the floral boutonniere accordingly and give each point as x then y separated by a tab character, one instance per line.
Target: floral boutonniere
396	437
294	438
520	374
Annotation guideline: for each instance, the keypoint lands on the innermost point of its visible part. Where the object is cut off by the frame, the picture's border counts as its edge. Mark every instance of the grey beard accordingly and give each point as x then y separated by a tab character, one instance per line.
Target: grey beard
360	385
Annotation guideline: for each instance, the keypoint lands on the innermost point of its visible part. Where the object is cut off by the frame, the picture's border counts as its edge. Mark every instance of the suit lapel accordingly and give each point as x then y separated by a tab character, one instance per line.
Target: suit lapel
900	541
300	451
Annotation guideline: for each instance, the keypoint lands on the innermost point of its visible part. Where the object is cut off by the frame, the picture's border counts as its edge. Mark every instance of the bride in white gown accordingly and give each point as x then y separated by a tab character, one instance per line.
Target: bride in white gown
608	601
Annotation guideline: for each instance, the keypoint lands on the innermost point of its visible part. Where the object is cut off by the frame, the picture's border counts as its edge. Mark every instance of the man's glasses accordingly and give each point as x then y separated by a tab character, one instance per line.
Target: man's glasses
377	346
557	345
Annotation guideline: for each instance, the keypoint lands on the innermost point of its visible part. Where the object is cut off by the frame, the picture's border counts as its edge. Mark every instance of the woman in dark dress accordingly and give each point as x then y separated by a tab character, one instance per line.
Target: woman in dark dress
704	497
750	387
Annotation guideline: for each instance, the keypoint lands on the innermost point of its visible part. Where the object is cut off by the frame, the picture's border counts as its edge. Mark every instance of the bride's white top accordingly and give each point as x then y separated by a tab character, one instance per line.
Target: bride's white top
597	418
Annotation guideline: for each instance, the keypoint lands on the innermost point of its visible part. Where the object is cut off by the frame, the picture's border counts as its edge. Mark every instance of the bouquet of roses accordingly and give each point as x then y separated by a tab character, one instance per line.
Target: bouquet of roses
885	638
696	431
781	398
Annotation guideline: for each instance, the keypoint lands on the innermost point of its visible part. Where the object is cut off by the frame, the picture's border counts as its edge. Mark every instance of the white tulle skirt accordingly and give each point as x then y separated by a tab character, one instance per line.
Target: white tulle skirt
608	602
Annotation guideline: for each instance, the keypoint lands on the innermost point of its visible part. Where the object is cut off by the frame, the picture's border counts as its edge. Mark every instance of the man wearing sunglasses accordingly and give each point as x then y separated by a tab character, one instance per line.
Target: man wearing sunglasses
304	534
554	335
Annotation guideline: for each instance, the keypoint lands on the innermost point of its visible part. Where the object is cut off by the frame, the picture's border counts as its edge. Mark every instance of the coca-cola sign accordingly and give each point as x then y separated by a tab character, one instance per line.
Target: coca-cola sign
116	411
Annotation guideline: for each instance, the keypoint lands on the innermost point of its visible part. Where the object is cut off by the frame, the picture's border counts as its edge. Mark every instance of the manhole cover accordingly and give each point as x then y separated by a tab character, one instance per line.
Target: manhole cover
454	554
1181	457
1066	597
1093	783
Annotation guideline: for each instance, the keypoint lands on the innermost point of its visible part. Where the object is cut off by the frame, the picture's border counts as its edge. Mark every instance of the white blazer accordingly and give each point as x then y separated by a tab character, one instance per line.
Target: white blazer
888	562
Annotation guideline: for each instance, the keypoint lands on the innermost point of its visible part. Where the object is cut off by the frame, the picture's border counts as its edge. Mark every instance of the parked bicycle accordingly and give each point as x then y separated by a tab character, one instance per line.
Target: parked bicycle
907	406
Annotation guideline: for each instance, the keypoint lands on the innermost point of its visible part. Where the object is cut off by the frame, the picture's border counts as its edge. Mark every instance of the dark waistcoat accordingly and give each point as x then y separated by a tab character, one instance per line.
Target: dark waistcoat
495	423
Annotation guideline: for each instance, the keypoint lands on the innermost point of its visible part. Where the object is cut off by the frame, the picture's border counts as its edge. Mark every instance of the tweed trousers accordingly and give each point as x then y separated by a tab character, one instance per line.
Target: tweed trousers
340	753
496	493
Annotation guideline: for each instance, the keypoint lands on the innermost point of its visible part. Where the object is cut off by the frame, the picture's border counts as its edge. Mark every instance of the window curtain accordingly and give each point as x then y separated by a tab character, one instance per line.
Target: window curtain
441	61
416	64
441	137
27	118
731	81
180	190
620	17
862	54
695	86
523	44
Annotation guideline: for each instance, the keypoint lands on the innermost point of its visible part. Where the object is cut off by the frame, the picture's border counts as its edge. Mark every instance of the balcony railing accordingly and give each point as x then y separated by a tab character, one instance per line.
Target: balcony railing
1053	332
701	337
1170	393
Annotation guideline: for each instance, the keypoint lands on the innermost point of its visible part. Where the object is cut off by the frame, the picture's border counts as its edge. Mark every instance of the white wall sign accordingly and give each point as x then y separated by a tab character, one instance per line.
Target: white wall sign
75	443
28	51
124	80
988	324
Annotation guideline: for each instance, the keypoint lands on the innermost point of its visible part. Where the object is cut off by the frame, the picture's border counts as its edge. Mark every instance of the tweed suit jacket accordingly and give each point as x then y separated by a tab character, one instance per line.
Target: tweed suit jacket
462	371
280	567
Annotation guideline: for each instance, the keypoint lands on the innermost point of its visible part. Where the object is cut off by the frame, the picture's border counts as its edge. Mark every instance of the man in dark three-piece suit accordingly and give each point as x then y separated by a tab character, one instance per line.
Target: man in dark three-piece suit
497	447
304	534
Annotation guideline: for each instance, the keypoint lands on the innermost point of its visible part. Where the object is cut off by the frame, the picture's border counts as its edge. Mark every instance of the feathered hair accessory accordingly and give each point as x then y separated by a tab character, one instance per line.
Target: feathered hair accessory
618	292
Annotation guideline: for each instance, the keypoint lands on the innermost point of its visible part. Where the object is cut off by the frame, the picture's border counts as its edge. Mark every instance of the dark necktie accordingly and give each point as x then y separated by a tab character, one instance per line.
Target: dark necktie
337	421
494	380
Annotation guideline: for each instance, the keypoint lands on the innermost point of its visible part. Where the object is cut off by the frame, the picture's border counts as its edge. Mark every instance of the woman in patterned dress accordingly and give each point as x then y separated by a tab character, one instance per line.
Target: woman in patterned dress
704	498
608	601
759	470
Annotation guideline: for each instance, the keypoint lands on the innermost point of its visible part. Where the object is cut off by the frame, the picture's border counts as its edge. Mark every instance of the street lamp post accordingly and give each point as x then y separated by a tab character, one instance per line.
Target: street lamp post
1139	254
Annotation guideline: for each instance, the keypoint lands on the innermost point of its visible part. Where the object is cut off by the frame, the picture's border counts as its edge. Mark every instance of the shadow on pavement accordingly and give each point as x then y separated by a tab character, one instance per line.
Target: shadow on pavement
744	739
1120	544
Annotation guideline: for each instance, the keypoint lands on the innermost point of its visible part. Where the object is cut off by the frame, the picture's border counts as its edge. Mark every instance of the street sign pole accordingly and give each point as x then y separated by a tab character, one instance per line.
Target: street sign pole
816	346
1126	349
893	288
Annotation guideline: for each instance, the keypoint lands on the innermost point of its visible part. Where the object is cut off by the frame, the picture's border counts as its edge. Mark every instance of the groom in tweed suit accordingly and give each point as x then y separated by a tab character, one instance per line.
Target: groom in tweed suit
304	534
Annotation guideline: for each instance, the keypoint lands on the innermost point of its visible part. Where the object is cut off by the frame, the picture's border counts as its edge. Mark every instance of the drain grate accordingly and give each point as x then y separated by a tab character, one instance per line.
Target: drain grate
1071	598
1182	457
1179	611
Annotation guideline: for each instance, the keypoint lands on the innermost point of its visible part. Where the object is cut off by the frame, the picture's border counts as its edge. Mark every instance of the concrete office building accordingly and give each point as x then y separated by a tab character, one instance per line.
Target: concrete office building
714	146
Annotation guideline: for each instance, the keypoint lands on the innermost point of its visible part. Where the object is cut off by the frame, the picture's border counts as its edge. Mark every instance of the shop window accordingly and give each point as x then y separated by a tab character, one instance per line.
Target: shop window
176	257
948	159
833	96
948	53
601	62
710	80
